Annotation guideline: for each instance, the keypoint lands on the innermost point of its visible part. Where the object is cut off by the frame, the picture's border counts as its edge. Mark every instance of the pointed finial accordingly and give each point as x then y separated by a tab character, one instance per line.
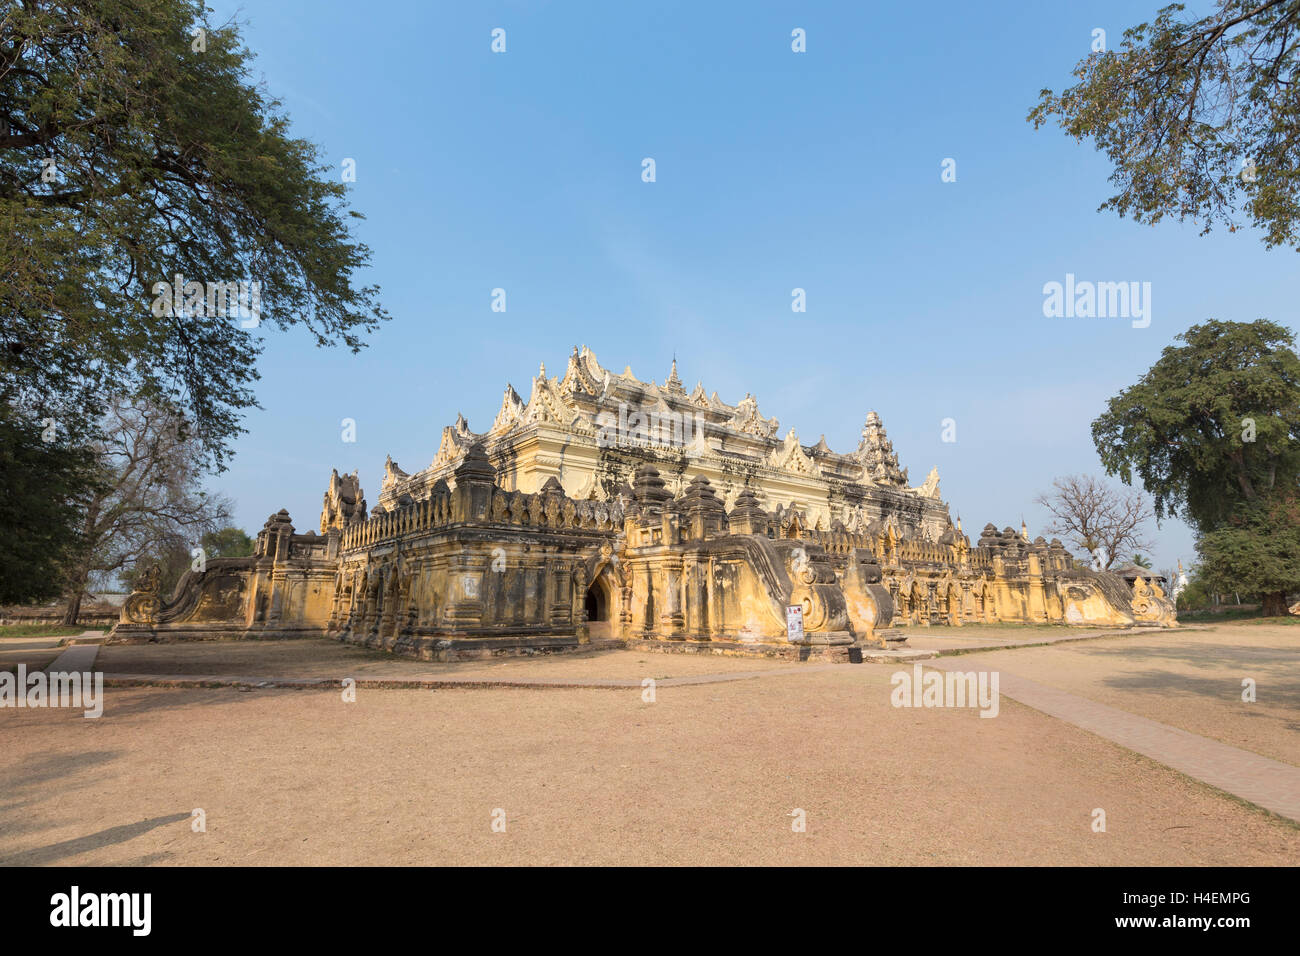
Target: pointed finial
673	381
542	373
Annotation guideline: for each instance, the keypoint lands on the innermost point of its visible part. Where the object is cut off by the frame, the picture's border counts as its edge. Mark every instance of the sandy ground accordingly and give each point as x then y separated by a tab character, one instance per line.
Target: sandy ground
324	658
705	774
1188	679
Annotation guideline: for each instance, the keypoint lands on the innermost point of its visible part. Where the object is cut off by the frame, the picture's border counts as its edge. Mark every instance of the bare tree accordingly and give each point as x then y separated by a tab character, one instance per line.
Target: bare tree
147	498
1100	519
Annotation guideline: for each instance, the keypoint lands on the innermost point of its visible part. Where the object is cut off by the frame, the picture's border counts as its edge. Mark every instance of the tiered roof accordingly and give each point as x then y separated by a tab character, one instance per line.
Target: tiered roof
589	395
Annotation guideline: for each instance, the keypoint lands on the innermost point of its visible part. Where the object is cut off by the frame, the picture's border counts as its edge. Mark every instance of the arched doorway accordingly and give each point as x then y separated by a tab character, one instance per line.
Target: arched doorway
988	605
597	605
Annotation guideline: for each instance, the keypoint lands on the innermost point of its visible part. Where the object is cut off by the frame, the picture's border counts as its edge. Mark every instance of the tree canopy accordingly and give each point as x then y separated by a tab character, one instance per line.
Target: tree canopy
1211	432
134	149
1256	551
1200	118
1215	421
39	522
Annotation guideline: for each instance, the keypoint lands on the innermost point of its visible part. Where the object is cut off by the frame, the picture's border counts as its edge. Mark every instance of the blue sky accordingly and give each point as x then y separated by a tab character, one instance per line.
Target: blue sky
775	170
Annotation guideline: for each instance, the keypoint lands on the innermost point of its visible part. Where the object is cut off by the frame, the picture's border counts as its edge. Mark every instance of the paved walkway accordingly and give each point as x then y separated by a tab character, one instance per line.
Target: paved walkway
78	656
1264	782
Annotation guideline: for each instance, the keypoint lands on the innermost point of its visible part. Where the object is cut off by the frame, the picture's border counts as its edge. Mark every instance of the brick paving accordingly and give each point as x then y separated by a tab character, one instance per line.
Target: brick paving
1259	780
78	657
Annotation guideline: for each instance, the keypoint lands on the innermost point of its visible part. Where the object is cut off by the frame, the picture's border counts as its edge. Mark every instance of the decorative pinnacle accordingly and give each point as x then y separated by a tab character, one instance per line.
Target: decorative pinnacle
673	380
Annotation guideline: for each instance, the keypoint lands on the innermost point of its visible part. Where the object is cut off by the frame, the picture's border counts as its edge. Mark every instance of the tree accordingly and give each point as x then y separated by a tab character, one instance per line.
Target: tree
176	555
1211	431
133	150
1100	519
1257	550
1196	596
40	475
229	542
1199	117
147	501
1212	423
1142	561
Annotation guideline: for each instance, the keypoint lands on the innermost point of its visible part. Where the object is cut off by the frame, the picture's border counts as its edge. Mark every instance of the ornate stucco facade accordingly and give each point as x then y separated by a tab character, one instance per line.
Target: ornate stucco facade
607	508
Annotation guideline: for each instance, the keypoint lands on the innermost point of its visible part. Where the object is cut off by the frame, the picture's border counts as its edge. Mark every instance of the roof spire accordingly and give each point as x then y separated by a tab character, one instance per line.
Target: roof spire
673	381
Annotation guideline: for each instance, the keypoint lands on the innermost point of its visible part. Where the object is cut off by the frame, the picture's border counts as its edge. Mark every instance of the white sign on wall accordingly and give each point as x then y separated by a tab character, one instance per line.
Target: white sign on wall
794	623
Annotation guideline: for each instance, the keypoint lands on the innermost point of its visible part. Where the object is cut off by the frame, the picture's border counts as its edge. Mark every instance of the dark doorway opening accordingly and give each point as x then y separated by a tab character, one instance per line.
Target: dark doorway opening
598	612
597	604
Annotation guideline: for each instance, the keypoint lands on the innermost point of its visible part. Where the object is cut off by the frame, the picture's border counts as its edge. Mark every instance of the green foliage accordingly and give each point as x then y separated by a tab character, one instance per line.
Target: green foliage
1211	430
228	543
1196	596
172	560
167	161
42	630
1184	429
1184	107
175	557
1256	551
39	525
1141	560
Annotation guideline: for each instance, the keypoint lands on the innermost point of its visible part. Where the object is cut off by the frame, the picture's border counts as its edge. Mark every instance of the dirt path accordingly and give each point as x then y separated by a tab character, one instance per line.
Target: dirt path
705	774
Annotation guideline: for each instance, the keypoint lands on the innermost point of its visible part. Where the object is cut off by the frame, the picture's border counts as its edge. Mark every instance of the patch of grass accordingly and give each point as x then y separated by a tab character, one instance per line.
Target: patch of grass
44	630
1242	616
